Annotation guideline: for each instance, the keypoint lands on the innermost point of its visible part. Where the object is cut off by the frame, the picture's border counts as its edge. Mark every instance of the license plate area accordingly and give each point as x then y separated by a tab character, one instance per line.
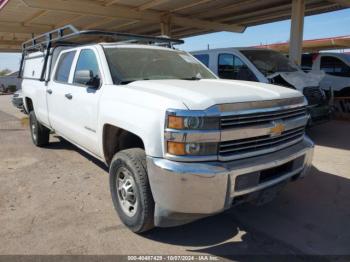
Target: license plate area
250	180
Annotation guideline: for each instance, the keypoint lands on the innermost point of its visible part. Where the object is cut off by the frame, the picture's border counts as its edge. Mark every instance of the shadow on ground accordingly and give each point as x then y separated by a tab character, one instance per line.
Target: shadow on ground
310	216
62	144
331	134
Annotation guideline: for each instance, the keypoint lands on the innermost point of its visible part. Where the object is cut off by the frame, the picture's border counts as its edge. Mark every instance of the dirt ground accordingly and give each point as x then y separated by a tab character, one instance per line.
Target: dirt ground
56	200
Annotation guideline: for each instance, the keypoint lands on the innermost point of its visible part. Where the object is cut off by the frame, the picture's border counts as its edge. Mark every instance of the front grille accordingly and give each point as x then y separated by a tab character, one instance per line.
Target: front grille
259	121
228	122
256	145
313	95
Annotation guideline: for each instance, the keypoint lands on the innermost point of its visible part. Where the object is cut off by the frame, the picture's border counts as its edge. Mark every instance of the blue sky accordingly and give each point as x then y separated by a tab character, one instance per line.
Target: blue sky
318	26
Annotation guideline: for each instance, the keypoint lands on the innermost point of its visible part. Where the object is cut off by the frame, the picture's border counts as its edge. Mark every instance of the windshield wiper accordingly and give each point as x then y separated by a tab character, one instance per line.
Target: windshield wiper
126	82
130	81
191	78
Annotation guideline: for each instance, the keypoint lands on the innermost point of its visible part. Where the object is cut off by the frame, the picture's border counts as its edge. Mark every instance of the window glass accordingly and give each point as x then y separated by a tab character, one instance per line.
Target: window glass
87	61
133	64
64	66
203	58
269	62
232	67
334	66
306	62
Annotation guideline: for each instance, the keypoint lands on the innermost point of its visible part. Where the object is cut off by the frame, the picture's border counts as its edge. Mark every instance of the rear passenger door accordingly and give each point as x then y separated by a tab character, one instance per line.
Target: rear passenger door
56	93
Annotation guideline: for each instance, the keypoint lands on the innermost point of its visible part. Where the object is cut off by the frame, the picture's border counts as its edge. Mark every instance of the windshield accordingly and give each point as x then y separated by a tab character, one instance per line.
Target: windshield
269	62
132	64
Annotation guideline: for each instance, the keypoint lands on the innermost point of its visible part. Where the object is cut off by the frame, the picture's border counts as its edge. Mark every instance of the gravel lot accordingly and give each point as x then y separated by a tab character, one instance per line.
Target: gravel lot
56	201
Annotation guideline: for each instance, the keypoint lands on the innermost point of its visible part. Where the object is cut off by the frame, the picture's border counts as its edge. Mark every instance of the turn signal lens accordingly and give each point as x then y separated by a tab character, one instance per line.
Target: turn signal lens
177	149
175	122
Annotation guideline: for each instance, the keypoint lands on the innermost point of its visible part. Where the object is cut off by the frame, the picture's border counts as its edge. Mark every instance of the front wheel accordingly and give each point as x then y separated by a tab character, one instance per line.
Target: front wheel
130	189
40	134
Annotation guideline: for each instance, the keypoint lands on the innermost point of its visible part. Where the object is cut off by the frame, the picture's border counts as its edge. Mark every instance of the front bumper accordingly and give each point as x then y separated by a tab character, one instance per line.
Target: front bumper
186	191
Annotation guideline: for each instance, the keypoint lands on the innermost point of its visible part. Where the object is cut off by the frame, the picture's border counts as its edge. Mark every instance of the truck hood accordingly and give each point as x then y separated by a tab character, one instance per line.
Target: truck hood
299	79
202	94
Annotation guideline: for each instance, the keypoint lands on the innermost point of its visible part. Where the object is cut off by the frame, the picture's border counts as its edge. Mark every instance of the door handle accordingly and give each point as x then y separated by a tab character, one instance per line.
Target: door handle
49	91
69	96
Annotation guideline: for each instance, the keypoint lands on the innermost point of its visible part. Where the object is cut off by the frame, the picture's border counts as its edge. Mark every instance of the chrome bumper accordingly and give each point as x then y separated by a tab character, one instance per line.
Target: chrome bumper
209	187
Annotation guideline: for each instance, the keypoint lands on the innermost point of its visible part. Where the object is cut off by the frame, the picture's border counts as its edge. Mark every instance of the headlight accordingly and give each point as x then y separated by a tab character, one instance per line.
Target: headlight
192	122
191	149
192	135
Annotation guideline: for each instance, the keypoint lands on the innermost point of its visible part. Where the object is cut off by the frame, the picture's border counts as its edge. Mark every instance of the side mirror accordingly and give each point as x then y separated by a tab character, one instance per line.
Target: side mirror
87	78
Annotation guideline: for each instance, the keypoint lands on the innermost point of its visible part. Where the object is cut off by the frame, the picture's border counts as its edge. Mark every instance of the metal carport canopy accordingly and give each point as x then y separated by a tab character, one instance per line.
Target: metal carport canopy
20	19
314	45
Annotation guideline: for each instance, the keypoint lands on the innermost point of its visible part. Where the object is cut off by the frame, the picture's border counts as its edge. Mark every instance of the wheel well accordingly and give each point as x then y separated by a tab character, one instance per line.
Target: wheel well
116	139
29	104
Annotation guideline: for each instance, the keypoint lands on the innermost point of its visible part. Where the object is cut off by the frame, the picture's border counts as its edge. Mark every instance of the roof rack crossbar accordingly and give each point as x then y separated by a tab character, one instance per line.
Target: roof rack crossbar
44	39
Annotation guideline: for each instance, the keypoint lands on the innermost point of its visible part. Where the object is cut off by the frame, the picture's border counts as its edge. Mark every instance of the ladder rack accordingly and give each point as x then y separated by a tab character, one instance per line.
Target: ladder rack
71	36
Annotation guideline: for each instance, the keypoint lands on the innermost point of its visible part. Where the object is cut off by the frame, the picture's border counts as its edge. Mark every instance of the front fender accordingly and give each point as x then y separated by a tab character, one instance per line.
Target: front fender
138	112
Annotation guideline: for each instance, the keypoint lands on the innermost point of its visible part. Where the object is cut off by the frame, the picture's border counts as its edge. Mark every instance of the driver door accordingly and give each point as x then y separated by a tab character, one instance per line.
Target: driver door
232	67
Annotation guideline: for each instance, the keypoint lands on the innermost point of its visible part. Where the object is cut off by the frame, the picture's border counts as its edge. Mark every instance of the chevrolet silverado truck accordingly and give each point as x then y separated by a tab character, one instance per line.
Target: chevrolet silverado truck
180	143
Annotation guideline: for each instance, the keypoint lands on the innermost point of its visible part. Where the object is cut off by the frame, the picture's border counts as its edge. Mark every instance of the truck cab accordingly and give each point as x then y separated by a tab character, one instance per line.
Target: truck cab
180	144
268	66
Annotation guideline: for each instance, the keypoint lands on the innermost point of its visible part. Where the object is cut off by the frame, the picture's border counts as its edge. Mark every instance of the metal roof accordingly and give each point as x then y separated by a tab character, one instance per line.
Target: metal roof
19	19
314	45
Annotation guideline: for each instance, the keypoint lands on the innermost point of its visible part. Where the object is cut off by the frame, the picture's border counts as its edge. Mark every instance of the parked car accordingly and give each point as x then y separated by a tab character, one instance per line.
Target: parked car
268	66
336	67
10	83
180	143
17	99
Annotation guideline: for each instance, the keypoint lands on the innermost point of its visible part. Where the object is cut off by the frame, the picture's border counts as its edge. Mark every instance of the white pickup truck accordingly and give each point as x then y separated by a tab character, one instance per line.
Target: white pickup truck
180	143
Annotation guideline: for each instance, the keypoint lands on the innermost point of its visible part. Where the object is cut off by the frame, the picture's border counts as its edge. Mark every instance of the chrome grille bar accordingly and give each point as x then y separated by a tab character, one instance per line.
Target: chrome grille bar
295	131
253	119
248	144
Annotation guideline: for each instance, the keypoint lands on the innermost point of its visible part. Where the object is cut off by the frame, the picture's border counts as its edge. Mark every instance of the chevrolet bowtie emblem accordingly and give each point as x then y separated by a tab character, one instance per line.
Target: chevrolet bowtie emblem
277	129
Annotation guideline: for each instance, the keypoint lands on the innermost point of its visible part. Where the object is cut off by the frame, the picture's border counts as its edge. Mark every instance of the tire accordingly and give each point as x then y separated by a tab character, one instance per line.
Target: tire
133	200
40	134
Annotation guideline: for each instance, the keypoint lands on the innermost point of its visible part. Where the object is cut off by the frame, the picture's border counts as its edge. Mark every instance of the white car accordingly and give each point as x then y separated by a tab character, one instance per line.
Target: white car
268	66
180	143
336	66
